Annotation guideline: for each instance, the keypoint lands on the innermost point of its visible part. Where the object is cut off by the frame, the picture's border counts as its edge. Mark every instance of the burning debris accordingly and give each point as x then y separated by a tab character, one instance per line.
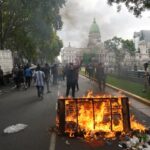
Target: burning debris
136	141
91	115
99	117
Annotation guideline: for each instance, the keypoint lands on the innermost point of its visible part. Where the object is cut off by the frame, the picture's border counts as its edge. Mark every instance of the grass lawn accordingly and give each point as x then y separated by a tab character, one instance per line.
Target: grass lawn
129	86
133	87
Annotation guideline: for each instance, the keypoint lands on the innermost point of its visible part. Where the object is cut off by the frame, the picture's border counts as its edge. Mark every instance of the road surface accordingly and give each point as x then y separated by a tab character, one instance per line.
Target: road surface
25	107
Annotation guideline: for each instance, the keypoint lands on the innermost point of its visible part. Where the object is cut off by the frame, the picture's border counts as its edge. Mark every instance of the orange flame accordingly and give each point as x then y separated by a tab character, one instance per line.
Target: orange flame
91	116
135	125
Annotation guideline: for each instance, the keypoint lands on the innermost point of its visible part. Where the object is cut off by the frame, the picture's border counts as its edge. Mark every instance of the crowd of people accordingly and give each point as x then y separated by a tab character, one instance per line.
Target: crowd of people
97	71
40	76
24	76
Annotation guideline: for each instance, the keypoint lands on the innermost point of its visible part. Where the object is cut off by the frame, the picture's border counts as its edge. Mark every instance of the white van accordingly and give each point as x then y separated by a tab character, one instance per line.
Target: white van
6	61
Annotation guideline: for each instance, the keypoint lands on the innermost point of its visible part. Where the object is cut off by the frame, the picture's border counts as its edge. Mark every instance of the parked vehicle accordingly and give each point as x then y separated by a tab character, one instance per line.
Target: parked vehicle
6	63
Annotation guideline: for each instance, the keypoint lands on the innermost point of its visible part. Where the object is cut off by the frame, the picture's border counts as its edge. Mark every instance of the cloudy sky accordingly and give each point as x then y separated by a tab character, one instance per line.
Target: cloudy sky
78	15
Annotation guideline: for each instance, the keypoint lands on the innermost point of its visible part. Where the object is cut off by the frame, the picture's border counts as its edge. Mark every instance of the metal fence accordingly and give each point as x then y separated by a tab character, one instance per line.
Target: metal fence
135	76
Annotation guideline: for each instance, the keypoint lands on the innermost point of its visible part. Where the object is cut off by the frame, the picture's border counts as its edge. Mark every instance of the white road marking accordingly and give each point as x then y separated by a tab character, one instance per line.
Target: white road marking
52	141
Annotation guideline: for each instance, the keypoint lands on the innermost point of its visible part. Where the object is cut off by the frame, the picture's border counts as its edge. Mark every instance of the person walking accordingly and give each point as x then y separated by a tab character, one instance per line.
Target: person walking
77	67
47	77
15	72
91	71
60	72
55	74
28	76
20	76
39	77
101	77
64	71
72	77
146	77
1	76
77	78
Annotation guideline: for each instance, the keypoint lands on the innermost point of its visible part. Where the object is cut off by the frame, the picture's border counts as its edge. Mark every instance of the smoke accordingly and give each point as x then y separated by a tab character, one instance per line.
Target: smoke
69	14
78	17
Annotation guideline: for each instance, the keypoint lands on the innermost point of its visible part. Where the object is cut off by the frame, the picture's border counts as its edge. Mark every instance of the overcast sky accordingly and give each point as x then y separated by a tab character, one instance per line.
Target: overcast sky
78	16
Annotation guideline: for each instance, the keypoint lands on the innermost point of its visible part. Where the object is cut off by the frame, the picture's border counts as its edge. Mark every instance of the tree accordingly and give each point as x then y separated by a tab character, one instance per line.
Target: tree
135	6
30	25
87	57
115	45
49	50
129	46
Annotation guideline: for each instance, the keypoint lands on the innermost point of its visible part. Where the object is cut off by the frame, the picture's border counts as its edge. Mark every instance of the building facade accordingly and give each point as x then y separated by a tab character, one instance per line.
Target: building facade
70	54
95	49
142	45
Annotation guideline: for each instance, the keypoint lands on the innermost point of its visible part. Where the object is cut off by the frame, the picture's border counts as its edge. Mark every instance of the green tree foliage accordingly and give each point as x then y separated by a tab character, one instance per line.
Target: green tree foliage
51	49
115	45
129	46
28	25
87	57
135	6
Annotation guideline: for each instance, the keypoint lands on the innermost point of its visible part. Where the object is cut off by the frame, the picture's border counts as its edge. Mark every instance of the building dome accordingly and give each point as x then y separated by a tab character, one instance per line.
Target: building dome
94	27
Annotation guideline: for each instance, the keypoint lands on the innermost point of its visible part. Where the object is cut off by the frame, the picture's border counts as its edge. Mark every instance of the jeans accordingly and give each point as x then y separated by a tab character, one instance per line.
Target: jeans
70	86
47	81
77	85
54	79
40	90
28	81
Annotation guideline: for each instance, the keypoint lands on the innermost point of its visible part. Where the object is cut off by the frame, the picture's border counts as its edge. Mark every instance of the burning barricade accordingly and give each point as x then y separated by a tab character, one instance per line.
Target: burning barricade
97	117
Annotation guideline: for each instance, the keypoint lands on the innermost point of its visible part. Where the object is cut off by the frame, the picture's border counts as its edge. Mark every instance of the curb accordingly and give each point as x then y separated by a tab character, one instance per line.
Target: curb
138	98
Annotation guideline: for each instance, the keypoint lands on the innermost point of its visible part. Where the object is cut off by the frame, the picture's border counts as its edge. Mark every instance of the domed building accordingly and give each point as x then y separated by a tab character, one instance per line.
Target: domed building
94	35
94	50
95	46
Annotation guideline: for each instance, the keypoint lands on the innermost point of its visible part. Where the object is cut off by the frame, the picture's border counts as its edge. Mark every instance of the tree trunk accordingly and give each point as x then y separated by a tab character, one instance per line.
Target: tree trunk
1	28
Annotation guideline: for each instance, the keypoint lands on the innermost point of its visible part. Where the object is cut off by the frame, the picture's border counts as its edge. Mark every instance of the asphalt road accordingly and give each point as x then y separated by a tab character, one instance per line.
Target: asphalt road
24	107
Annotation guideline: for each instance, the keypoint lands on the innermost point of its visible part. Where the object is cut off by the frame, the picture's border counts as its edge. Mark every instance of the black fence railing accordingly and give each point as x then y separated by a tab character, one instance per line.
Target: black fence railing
135	76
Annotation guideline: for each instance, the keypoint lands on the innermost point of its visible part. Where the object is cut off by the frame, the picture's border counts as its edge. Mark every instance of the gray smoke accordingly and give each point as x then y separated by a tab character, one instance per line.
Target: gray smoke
78	16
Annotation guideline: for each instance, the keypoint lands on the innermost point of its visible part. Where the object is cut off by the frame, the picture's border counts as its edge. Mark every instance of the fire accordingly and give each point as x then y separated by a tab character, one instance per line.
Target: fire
96	114
135	125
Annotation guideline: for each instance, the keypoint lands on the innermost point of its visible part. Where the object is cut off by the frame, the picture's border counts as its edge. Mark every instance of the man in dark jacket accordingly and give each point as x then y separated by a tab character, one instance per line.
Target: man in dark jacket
47	76
55	74
77	78
71	79
1	76
28	76
101	76
20	76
